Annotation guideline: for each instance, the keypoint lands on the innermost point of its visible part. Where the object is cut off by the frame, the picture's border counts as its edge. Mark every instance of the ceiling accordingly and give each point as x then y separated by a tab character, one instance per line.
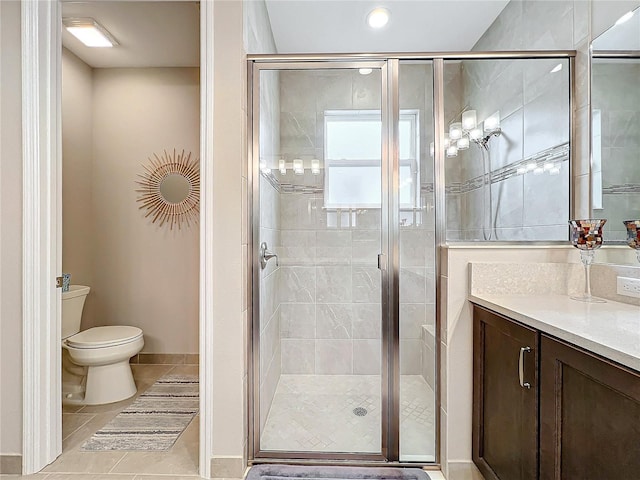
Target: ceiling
167	33
150	34
339	26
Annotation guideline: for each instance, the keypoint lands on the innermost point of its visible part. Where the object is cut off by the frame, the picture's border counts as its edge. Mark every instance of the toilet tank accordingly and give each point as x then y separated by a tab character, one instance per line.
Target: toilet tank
72	305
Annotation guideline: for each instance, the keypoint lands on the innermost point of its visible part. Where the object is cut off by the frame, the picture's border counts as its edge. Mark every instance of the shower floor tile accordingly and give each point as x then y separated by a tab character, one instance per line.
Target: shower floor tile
315	413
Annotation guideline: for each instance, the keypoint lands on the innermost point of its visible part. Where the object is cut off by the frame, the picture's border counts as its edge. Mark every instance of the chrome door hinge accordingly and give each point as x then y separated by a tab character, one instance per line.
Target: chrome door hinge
58	282
382	261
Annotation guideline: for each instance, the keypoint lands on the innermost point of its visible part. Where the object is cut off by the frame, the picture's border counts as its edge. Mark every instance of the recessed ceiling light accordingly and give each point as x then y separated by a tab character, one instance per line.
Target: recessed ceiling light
557	68
89	32
365	71
378	17
627	16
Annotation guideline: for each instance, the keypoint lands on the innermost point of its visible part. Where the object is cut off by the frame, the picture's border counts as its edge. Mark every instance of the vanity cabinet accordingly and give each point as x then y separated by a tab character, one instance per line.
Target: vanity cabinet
587	407
589	415
505	398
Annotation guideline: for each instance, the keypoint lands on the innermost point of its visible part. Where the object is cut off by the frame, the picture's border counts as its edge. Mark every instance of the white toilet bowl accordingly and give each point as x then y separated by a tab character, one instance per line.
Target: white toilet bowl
105	351
95	362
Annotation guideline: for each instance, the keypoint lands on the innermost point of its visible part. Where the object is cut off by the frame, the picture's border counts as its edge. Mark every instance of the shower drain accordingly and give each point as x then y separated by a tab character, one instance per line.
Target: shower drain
360	412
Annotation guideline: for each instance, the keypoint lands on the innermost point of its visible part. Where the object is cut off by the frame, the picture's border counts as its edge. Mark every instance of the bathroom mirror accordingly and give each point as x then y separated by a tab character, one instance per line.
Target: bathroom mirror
615	115
170	189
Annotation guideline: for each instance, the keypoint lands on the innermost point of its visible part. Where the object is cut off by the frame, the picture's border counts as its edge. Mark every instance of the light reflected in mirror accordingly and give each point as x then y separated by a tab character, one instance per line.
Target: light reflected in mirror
615	129
175	188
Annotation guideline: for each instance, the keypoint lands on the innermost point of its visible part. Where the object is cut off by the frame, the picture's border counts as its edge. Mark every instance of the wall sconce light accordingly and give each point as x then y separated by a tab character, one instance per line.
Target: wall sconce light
298	167
469	120
315	167
282	167
468	130
492	123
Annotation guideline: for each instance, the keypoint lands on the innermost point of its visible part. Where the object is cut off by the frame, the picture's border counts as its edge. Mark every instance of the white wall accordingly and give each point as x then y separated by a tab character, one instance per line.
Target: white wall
144	275
10	231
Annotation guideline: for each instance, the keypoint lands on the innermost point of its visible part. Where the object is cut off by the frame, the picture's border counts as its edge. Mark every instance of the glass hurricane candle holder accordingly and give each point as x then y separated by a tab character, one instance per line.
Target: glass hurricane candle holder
586	235
633	235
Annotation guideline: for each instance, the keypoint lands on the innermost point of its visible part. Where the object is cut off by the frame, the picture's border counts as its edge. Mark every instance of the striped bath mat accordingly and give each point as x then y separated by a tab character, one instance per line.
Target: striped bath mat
154	421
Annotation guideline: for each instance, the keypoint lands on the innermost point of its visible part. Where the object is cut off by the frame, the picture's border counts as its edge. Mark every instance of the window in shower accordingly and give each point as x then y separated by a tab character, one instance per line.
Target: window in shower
352	158
509	179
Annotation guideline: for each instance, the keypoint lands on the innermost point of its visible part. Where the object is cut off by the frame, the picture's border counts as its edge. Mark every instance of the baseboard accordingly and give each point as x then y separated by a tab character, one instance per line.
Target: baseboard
227	467
463	471
166	359
10	464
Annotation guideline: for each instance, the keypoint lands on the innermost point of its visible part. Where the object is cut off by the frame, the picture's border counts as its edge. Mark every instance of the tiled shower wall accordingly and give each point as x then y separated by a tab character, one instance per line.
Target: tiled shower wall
533	104
616	95
270	352
329	284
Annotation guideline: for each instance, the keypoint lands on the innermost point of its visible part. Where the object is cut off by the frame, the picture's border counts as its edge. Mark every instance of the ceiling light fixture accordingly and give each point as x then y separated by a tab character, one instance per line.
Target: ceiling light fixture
89	32
365	71
627	16
378	17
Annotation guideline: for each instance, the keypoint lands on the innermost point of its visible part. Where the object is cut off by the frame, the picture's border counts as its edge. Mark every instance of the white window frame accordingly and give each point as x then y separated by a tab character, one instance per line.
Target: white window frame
413	161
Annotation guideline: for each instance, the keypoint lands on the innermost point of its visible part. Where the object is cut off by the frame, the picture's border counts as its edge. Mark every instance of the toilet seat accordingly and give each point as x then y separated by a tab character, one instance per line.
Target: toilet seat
102	337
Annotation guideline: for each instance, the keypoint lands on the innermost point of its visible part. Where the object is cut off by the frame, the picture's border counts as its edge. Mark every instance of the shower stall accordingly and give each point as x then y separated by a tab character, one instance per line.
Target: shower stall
354	185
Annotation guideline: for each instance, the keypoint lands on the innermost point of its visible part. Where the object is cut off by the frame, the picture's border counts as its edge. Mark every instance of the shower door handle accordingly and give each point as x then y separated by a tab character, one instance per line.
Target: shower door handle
382	261
266	255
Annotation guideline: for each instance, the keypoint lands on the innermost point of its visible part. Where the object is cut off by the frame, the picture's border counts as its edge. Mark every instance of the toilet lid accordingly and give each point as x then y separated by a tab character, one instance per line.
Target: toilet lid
98	337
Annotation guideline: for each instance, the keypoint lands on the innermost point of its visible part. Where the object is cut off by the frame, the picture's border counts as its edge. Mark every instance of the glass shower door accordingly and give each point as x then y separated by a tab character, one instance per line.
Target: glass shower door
417	264
319	202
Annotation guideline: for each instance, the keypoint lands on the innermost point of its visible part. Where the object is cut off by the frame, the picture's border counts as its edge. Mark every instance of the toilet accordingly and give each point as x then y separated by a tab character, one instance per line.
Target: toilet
95	362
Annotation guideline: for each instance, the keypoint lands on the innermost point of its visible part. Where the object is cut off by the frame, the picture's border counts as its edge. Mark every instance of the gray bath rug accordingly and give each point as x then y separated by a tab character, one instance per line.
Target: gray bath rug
154	421
292	472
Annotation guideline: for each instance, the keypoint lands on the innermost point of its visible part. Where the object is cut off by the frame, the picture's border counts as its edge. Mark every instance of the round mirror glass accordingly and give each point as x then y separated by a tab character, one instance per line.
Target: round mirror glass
175	188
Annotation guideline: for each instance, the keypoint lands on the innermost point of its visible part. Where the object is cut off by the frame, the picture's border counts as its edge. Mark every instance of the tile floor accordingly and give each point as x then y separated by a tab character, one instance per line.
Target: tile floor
316	413
80	422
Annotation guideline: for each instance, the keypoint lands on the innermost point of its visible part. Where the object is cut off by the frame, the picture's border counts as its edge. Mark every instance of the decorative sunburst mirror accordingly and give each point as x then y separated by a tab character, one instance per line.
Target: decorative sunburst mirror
170	189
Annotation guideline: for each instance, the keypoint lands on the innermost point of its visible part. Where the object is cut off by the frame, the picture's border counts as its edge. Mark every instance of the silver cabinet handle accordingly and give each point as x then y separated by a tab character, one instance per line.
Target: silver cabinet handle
266	255
523	384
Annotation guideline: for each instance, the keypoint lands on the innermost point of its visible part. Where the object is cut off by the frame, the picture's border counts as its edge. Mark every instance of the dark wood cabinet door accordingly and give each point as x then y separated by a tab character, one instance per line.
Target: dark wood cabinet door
589	416
505	414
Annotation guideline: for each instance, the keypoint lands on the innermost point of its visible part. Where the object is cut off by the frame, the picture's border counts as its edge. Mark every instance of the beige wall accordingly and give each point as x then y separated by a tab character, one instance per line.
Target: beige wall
140	274
143	274
10	232
229	310
77	131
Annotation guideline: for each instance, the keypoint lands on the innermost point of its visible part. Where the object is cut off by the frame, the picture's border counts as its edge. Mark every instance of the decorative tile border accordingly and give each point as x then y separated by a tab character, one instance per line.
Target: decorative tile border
621	189
558	154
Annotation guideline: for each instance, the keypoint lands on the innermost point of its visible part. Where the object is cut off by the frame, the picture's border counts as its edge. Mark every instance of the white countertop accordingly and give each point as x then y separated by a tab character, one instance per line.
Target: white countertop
609	329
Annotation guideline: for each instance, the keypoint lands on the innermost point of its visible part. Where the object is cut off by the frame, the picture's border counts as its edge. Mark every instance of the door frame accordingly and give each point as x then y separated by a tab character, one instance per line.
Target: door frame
41	50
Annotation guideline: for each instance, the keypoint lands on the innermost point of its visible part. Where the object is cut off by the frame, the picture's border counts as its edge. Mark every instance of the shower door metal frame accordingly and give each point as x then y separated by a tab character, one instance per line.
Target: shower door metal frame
254	69
390	332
